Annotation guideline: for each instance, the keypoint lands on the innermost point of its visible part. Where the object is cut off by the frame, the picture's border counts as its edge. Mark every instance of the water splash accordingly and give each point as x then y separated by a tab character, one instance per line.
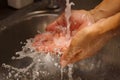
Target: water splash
42	64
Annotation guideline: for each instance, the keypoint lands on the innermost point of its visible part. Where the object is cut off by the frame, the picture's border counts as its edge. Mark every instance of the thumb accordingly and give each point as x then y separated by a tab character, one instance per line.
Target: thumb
56	24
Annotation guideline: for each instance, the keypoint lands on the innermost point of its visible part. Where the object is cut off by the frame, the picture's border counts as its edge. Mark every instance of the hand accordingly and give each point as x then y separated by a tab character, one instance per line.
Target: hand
55	38
50	42
78	19
89	40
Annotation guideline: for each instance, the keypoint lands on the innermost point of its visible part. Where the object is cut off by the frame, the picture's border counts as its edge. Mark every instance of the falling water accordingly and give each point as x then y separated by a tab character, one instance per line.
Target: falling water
70	71
61	73
68	15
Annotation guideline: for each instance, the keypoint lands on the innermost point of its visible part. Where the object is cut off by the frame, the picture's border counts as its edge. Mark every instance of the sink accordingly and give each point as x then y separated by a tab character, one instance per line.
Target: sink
103	66
17	33
13	35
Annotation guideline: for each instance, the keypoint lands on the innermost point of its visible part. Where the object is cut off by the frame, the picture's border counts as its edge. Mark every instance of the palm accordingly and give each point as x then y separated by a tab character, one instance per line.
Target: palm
46	41
78	19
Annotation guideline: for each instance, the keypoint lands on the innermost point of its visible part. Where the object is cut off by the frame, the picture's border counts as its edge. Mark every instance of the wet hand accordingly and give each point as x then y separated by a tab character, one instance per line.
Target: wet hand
55	37
78	19
89	40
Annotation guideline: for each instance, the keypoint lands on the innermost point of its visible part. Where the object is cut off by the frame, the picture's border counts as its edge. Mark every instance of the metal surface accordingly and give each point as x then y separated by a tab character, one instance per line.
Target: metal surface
11	37
53	4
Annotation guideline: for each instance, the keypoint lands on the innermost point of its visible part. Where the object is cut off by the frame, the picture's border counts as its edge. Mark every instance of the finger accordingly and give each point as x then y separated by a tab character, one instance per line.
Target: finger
68	59
57	23
74	25
64	60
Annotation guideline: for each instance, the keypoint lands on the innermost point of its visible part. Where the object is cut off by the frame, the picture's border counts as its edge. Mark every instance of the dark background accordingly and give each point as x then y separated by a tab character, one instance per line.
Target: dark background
6	11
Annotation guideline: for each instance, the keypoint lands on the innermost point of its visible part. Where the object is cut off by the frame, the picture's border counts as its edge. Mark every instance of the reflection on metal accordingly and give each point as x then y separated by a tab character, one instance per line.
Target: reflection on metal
36	12
39	15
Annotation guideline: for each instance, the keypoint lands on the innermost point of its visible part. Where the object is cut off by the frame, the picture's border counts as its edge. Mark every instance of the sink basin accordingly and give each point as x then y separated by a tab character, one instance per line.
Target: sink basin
103	66
13	35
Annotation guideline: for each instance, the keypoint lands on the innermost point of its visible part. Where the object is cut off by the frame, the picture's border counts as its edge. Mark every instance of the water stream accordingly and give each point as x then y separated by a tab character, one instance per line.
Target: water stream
68	15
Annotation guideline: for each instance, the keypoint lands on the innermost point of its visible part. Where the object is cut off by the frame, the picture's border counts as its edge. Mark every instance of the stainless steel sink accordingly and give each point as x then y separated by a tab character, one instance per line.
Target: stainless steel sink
26	28
103	66
17	33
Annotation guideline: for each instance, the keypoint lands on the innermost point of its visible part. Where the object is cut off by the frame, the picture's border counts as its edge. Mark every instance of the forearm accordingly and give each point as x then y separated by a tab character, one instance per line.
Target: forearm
107	25
105	9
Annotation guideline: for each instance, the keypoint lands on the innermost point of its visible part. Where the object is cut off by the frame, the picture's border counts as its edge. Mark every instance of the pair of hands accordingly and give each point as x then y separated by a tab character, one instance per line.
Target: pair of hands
55	32
90	37
79	19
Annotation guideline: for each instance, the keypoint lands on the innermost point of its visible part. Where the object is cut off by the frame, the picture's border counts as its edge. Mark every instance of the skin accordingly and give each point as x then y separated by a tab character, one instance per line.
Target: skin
106	9
78	20
96	26
91	39
45	41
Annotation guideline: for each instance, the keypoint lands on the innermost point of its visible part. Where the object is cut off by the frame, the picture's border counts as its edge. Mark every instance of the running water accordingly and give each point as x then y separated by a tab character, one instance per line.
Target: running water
70	71
42	66
62	73
68	15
